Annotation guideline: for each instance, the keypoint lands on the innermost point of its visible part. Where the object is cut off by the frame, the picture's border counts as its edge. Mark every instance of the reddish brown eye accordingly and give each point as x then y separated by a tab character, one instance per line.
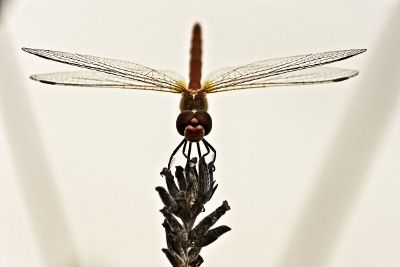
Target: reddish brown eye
205	120
183	120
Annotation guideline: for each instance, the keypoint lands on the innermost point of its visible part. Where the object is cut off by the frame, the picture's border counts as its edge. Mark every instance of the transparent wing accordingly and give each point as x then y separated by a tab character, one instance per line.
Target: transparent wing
94	79
116	72
173	75
315	75
259	74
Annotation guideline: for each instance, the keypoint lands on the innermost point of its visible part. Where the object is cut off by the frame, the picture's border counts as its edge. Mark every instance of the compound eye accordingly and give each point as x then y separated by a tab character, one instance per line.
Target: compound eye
183	120
205	120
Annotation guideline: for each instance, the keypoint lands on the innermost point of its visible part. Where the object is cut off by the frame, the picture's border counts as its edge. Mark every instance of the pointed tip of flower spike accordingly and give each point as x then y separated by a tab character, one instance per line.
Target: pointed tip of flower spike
165	171
225	205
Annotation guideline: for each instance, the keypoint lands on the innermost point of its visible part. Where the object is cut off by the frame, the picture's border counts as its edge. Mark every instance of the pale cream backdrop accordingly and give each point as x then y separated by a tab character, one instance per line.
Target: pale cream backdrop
312	173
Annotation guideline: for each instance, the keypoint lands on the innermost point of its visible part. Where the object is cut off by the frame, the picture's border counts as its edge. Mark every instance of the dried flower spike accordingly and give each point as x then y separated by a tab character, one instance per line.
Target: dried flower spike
188	191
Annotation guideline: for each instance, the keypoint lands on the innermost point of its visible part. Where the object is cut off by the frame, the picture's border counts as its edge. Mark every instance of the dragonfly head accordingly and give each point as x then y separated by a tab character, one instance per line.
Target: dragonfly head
194	125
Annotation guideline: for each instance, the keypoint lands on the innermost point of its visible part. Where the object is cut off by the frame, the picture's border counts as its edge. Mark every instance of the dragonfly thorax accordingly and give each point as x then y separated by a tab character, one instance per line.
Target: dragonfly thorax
193	102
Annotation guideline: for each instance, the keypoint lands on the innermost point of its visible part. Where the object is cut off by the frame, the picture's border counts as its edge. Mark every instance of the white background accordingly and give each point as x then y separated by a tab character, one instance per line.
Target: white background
311	173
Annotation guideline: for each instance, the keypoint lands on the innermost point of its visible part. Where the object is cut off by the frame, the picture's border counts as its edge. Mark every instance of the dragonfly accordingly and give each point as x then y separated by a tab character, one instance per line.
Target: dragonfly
194	122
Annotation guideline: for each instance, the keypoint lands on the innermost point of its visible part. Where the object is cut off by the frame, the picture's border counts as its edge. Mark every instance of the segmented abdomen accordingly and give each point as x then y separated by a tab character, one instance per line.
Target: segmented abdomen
195	58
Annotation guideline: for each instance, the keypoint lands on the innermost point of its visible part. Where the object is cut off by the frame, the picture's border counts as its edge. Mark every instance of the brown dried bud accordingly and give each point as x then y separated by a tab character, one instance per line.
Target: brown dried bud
181	178
211	236
167	199
205	224
205	181
196	263
194	253
174	225
173	258
169	179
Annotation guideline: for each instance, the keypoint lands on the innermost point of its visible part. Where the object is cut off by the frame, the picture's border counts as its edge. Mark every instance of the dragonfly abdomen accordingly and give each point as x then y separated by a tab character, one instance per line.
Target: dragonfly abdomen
195	58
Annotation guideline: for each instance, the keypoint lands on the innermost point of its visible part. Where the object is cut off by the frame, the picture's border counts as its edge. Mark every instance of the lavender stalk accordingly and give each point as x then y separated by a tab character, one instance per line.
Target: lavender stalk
184	199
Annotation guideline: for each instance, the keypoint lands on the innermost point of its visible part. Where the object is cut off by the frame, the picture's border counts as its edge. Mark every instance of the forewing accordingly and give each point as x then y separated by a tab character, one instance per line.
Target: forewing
135	73
257	73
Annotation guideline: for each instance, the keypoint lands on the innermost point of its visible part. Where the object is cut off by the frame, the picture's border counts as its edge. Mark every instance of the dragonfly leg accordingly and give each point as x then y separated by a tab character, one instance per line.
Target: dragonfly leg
198	149
187	156
208	146
189	151
184	148
171	159
208	149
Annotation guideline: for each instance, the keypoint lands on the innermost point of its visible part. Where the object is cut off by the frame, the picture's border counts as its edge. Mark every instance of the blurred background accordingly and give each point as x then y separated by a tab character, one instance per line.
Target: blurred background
311	173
